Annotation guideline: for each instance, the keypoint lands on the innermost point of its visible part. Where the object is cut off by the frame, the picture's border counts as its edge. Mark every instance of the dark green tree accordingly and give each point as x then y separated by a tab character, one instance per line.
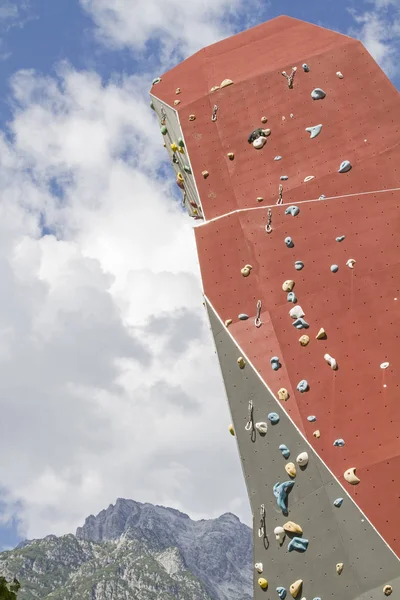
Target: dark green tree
8	590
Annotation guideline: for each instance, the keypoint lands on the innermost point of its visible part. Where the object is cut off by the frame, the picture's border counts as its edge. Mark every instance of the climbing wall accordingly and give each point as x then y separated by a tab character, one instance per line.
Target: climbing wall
293	179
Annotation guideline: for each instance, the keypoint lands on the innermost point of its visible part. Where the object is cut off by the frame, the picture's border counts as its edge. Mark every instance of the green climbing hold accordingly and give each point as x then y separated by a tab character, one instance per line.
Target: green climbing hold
164	130
181	143
187	169
152	105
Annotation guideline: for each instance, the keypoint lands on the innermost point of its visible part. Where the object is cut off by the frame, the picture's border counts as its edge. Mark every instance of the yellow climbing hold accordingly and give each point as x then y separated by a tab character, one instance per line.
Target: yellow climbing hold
351	477
241	362
387	590
321	335
296	587
292	527
179	177
246	270
214	88
290	469
339	568
231	429
263	583
288	285
181	150
174	147
283	394
304	340
226	82
228	322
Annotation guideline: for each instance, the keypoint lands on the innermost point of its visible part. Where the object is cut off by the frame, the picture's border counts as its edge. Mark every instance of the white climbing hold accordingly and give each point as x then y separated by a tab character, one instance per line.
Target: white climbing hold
288	285
351	477
302	459
350	263
317	434
384	365
280	534
259	567
339	74
278	158
308	178
314	131
345	166
339	568
331	362
261	427
225	83
246	270
214	88
296	312
259	142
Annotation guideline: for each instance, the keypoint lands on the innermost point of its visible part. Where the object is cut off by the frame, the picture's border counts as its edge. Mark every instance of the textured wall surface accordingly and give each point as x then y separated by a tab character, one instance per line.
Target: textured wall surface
357	307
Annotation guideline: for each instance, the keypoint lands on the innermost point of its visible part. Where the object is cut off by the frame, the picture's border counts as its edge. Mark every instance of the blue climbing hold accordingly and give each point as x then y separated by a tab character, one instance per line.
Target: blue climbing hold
281	591
275	364
273	418
340	238
338	502
243	317
302	386
291	297
339	443
278	158
300	323
345	166
297	543
285	450
298	265
281	492
289	242
317	598
334	268
312	418
314	131
318	94
306	68
292	210
284	177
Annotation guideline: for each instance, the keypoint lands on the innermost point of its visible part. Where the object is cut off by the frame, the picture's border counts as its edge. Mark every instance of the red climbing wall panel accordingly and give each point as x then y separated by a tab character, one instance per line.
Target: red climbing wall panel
357	307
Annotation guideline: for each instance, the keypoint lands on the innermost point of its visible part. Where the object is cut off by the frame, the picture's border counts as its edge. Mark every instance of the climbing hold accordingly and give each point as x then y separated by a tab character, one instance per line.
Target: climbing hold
266	132
321	335
290	77
181	150
278	158
281	591
275	364
230	155
214	88
178	91
308	178
318	94
350	263
306	68
174	147
296	312
384	365
291	297
260	199
176	102
339	74
288	285
261	427
338	502
314	131
259	567
298	544
284	450
304	340
296	587
339	443
312	418
280	534
387	590
246	270
281	491
300	324
263	583
181	143
298	265
334	268
243	317
292	210
290	469
231	429
205	174
283	394
164	130
302	386
339	568
264	119
273	417
292	527
284	178
340	238
152	105
187	169
345	166
180	177
317	434
302	459
259	142
241	362
228	322
192	117
331	362
156	80
351	477
289	242
255	134
225	83
322	197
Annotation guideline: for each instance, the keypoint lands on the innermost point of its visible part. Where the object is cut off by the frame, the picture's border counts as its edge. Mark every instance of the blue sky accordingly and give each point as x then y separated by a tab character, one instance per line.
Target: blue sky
83	334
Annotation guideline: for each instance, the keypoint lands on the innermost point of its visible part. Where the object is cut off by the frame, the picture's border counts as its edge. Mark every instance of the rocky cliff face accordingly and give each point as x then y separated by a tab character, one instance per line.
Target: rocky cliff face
137	551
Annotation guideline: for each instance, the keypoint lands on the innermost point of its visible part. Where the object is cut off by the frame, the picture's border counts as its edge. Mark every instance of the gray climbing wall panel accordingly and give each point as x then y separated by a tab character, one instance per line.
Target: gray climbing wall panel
336	535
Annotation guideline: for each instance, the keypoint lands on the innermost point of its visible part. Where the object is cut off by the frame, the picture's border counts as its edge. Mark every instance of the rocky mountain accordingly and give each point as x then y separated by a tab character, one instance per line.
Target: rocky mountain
134	551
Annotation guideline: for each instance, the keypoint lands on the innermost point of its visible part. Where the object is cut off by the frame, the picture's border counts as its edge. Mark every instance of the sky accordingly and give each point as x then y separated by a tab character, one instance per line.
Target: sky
109	383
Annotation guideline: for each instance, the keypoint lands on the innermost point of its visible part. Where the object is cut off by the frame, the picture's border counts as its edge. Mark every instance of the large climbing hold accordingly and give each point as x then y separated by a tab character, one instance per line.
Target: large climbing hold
259	142
296	587
351	477
298	544
318	94
314	131
296	312
281	492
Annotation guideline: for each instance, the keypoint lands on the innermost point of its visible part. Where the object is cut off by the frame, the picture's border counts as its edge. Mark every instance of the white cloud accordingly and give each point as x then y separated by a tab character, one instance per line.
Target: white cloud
109	385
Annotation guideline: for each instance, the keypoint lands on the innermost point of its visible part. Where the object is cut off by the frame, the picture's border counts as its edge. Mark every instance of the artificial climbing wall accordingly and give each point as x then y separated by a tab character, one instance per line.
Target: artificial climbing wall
316	204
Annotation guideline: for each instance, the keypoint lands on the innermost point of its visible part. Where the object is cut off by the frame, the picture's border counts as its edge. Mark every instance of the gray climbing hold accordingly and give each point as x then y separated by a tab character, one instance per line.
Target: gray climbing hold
338	502
339	443
281	492
314	131
318	94
298	544
164	130
187	169
284	450
298	265
289	242
291	297
312	418
340	238
281	591
292	210
275	364
156	80
334	268
345	166
243	317
278	158
302	386
273	418
306	68
284	177
300	324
